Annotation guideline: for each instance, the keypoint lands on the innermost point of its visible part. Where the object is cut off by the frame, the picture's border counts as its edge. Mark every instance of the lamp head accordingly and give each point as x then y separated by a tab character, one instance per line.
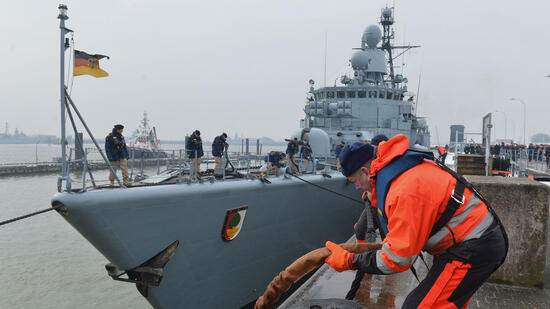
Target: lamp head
62	12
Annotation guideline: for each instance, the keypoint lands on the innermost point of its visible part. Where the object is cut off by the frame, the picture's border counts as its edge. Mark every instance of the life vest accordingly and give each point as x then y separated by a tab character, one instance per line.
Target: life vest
387	174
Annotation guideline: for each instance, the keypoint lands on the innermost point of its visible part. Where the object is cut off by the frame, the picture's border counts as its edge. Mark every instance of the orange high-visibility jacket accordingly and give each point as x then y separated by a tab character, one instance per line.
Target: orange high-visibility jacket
414	202
441	150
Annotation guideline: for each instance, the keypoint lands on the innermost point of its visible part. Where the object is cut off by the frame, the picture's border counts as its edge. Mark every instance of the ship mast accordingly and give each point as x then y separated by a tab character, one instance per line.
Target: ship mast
64	44
387	20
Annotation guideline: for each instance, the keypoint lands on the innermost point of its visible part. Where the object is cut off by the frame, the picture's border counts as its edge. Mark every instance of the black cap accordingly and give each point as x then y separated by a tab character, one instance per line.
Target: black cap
197	132
378	139
119	127
224	135
354	156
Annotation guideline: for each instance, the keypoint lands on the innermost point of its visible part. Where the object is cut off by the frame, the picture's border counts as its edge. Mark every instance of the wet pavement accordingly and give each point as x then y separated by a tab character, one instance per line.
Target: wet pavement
326	289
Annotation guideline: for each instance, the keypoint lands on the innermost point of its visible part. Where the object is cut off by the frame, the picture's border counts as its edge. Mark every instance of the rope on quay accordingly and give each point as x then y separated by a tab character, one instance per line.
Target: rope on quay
31	214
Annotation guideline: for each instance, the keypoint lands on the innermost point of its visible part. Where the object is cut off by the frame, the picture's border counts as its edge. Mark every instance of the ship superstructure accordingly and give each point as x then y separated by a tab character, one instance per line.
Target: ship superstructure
372	101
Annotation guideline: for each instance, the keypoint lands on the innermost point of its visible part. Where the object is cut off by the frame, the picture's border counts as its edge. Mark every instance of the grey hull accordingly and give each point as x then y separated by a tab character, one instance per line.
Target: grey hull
284	220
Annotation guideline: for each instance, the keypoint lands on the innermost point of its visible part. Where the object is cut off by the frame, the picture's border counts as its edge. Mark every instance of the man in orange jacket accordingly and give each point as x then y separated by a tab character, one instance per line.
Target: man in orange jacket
423	206
442	154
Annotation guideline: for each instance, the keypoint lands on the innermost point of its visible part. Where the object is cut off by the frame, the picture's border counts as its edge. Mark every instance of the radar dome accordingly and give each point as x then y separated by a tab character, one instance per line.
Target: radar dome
386	12
372	36
360	60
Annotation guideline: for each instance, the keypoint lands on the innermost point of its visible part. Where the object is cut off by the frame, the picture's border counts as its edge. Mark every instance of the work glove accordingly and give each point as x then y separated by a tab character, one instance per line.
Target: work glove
339	259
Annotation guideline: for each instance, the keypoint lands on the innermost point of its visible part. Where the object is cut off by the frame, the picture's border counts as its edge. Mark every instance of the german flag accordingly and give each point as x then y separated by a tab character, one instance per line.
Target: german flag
85	63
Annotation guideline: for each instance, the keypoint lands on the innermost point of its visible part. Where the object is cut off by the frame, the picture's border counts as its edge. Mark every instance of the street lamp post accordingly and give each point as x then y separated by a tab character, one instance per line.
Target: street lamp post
505	122
524	122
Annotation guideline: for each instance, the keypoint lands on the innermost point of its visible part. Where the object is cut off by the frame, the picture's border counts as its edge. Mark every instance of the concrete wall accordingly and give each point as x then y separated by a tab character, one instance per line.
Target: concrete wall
523	207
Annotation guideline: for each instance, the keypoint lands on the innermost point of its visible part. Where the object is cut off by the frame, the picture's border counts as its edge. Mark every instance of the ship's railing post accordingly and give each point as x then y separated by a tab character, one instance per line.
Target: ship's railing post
84	169
195	167
141	165
180	168
158	161
173	157
69	169
247	158
207	159
132	168
224	162
314	165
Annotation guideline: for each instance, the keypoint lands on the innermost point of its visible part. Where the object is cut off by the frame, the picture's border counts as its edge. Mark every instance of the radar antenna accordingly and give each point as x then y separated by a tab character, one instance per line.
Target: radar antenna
386	20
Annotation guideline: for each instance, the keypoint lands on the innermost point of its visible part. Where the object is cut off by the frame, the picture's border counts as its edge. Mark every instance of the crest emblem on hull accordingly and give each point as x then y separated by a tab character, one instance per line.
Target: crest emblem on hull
233	222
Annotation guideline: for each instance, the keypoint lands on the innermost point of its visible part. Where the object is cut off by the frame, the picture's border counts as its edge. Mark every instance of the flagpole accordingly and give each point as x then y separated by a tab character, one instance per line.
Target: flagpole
63	46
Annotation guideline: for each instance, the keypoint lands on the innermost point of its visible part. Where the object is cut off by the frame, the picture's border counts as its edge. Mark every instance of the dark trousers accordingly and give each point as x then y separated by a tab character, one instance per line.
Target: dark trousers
457	273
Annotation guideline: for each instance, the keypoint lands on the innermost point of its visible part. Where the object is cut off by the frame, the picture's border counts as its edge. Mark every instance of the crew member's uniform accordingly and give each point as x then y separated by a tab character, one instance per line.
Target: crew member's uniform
291	150
195	152
117	153
442	154
273	160
219	146
415	199
365	228
305	154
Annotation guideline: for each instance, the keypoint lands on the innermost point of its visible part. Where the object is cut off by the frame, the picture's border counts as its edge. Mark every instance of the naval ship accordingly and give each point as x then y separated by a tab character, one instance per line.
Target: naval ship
217	243
372	101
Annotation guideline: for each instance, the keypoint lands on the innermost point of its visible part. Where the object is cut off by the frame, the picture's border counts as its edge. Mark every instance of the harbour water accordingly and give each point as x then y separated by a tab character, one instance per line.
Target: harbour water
45	262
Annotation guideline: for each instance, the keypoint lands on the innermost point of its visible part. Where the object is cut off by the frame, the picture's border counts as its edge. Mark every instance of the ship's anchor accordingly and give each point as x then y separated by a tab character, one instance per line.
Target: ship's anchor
147	274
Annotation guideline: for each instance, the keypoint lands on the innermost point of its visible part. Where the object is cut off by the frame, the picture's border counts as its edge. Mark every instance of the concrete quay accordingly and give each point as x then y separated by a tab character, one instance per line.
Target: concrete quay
28	169
523	281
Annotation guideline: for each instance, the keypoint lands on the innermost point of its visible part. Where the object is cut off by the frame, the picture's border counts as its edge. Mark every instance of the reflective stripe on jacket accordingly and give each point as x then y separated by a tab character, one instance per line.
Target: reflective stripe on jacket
414	202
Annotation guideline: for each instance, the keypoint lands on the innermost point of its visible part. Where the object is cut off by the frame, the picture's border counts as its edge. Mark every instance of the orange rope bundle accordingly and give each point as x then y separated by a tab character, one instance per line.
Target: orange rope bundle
301	267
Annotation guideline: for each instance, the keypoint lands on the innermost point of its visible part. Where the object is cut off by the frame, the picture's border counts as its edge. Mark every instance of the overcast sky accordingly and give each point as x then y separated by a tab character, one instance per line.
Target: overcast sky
243	66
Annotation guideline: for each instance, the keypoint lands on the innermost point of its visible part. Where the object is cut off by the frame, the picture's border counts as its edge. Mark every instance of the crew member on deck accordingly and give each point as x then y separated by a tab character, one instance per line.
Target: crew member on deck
291	150
117	153
338	150
219	147
305	154
423	206
274	160
194	151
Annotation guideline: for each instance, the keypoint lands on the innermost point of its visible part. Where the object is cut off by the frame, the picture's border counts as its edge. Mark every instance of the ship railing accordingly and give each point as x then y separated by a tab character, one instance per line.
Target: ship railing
176	160
143	164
